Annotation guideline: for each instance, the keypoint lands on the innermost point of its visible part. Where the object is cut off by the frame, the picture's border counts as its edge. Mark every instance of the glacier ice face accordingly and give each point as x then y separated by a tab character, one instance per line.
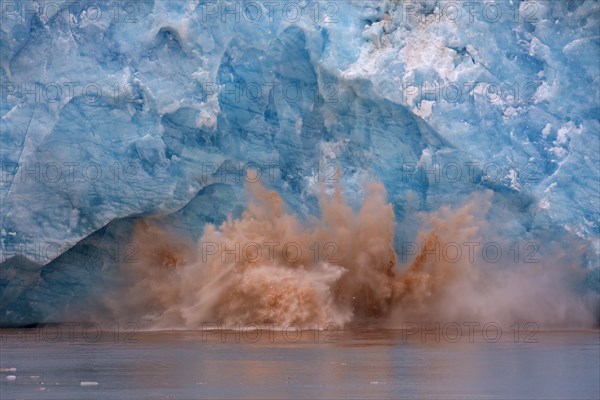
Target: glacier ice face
116	112
505	86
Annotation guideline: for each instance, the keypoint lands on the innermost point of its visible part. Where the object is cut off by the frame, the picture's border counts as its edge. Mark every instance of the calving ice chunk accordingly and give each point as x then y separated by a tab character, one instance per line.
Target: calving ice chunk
266	268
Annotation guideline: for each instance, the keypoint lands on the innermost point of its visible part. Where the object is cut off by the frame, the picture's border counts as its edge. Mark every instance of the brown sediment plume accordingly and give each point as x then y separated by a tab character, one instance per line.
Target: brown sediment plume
269	267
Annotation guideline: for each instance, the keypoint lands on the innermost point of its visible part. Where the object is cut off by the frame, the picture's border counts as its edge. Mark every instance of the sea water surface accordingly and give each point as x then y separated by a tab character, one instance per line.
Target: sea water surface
365	363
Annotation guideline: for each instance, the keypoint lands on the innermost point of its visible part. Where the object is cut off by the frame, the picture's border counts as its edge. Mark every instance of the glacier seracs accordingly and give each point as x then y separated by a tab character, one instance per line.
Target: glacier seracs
112	113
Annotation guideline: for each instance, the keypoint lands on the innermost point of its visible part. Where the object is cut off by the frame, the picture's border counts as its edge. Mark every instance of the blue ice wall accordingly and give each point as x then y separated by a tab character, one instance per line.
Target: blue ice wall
117	111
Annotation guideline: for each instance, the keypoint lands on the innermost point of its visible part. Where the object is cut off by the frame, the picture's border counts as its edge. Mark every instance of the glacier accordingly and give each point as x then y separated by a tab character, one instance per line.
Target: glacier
117	112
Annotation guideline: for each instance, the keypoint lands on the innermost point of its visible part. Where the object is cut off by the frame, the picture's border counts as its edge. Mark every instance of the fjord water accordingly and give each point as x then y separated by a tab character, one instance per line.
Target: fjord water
366	364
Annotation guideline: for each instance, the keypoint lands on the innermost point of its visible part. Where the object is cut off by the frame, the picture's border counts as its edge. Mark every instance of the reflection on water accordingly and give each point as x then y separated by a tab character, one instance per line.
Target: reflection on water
348	364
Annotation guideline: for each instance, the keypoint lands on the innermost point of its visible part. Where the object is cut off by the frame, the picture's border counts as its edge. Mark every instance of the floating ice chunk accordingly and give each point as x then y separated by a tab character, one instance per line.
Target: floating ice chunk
88	383
11	378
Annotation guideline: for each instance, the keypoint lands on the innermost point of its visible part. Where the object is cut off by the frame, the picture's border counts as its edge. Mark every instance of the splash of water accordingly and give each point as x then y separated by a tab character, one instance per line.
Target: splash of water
269	267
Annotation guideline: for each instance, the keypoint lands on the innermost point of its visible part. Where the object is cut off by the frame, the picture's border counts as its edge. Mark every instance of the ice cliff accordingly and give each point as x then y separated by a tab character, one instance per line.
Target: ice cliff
118	111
